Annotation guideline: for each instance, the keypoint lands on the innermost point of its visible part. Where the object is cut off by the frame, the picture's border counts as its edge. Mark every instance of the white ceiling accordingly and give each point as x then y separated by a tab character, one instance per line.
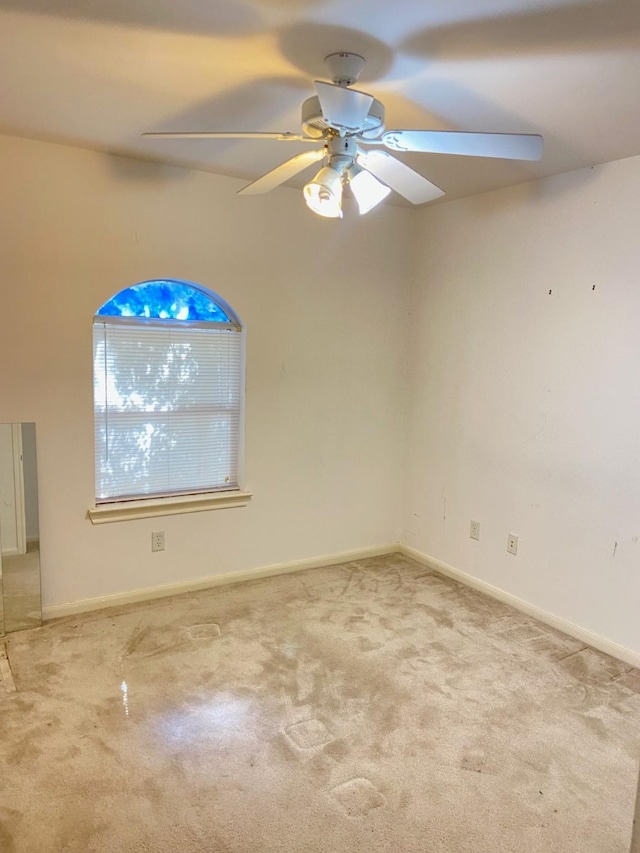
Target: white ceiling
98	73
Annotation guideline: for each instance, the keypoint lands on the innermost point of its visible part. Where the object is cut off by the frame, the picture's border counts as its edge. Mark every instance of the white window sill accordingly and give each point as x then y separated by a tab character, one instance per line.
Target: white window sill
152	507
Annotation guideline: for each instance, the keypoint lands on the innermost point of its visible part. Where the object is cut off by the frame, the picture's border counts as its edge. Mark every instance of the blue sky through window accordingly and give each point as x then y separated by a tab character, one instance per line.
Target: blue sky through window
164	300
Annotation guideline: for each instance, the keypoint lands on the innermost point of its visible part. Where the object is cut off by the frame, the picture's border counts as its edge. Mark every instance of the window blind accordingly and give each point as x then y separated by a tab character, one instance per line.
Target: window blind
167	402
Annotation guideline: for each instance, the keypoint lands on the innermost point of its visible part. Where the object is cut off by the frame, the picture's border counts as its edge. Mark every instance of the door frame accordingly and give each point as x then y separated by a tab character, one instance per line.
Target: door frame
18	481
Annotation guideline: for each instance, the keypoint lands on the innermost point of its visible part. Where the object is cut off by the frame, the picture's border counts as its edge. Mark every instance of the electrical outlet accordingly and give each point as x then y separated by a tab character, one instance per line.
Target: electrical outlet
512	544
157	541
474	530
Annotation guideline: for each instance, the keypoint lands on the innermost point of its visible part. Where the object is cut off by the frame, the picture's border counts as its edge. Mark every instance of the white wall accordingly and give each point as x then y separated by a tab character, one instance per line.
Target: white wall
525	406
325	306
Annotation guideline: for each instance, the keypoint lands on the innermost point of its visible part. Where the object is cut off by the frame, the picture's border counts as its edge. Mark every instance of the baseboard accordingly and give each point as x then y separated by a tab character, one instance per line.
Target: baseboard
72	608
587	637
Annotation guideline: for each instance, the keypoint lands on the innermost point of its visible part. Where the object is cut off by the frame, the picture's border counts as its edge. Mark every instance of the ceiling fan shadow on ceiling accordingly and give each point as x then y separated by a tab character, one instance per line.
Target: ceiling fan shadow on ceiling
348	126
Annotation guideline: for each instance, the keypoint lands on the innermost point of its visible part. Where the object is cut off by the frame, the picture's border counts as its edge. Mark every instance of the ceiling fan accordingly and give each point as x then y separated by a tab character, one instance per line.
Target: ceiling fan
350	127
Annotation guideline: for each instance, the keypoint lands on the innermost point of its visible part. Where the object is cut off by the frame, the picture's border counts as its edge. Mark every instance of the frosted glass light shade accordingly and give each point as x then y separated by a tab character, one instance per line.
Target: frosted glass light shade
323	194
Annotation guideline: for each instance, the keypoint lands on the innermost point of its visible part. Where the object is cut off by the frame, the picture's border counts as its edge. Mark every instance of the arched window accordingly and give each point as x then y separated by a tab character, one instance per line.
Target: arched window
168	392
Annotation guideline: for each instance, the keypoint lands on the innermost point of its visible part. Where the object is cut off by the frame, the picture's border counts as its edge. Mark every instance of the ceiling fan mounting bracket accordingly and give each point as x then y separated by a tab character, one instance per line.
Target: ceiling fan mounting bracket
345	68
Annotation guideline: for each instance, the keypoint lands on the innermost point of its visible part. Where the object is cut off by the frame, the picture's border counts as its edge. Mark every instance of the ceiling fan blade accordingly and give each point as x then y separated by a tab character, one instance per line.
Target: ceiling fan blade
400	177
507	146
283	172
231	134
343	107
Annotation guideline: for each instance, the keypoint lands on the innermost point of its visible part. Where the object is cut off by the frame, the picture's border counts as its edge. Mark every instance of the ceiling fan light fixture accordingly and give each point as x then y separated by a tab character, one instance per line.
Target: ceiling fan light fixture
323	194
367	189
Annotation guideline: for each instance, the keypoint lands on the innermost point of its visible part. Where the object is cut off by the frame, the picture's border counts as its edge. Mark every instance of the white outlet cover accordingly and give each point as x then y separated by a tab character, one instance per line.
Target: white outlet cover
474	530
512	544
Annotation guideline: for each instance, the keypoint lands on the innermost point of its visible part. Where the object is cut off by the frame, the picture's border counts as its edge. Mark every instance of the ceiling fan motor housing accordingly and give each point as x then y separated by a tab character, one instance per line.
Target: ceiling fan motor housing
314	123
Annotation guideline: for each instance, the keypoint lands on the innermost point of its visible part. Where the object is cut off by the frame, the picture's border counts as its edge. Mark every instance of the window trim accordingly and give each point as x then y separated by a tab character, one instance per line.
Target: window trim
174	505
179	503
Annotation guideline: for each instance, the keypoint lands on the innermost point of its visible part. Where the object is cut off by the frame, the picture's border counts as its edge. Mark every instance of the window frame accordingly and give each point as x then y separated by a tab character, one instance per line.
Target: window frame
142	506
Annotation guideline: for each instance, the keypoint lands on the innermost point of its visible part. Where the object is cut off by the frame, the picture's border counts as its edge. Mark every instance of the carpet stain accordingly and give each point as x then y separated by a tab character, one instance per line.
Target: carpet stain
309	734
6	840
204	632
358	797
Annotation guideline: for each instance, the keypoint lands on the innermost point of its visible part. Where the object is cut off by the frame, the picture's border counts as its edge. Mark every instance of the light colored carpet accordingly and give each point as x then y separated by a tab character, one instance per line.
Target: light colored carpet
21	589
372	706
